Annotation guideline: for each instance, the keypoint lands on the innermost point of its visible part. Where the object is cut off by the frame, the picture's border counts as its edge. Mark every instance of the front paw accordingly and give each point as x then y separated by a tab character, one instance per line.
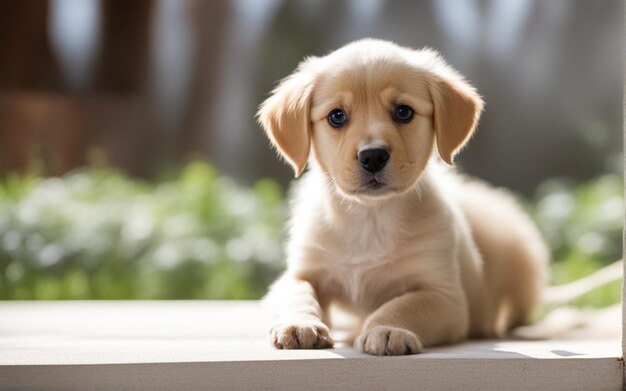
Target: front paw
388	341
300	335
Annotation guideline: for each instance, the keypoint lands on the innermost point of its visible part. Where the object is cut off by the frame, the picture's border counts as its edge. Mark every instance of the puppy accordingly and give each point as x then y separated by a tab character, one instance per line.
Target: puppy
380	227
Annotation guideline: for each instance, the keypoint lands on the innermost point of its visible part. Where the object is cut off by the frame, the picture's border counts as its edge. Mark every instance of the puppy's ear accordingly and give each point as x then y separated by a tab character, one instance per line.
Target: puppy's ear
286	119
456	110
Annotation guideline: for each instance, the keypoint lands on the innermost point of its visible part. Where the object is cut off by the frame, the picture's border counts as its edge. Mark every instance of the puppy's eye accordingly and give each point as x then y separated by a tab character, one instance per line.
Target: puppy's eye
337	118
403	114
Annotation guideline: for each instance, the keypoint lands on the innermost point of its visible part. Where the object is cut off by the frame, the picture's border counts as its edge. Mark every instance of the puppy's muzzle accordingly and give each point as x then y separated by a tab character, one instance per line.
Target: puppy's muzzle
373	159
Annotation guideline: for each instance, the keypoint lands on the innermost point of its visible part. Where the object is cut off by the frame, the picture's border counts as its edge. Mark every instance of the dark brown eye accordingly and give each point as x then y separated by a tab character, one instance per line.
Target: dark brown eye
403	114
337	118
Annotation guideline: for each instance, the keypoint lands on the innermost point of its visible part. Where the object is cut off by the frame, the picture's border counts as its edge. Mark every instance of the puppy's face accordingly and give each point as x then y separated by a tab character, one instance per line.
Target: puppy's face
369	114
372	128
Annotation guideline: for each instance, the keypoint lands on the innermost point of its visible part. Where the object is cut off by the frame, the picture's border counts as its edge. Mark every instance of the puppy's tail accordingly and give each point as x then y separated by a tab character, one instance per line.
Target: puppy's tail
565	322
561	294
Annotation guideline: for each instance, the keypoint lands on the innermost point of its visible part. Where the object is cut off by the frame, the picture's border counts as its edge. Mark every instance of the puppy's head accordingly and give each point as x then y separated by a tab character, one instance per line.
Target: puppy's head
369	114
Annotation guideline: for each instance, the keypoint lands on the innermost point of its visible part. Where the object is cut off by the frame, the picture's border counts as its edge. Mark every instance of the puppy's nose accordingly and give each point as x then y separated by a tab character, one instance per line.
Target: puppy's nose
374	159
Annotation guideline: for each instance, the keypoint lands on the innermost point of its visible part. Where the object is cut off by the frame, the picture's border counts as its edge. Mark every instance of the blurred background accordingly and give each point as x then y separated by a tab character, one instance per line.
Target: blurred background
132	167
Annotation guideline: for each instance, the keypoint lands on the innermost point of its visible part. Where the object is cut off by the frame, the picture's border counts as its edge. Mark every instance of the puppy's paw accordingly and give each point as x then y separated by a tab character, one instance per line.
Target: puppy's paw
301	335
388	341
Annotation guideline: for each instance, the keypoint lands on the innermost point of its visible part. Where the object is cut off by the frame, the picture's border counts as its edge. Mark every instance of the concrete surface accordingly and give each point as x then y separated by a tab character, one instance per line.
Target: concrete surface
165	345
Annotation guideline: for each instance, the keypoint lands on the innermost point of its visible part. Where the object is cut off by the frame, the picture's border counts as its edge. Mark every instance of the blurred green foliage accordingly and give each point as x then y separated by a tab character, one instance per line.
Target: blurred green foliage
582	223
97	234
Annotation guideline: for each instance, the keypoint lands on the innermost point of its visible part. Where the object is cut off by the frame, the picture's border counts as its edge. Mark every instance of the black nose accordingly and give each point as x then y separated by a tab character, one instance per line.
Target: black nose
374	159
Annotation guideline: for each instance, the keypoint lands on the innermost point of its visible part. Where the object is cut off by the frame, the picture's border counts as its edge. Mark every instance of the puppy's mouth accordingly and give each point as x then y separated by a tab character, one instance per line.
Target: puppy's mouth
373	185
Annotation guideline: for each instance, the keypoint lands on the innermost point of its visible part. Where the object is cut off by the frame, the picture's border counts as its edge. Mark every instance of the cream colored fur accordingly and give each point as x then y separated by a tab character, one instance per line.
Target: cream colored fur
433	257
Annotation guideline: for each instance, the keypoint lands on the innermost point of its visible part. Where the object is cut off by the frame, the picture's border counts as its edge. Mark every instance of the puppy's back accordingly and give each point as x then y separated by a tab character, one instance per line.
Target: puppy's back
514	254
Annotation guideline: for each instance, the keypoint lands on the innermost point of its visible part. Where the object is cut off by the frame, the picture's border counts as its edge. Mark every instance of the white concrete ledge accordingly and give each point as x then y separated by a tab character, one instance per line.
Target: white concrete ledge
198	345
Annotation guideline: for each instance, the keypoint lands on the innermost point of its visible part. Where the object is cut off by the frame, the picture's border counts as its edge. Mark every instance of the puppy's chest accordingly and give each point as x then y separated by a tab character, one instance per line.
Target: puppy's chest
362	264
366	241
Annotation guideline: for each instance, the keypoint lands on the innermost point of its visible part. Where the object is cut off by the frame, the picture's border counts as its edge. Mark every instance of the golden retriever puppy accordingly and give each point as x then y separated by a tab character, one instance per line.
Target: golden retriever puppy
380	227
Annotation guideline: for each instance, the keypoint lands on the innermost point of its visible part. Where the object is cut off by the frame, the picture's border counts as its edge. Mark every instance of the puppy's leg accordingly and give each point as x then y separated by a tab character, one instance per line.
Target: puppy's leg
405	324
296	316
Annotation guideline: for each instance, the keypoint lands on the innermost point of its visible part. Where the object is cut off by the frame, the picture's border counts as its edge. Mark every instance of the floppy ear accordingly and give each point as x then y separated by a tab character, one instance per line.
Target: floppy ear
286	120
456	109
